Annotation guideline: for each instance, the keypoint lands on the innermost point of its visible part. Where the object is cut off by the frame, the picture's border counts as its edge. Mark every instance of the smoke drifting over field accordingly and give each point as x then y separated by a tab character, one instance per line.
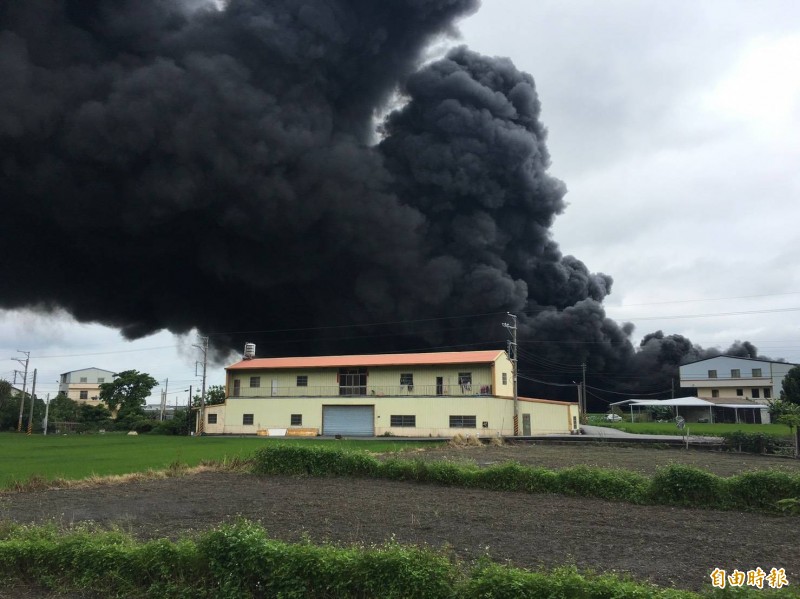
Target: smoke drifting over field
169	164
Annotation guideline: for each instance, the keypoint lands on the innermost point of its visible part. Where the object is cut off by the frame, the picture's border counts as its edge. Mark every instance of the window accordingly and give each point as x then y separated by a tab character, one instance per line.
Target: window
101	379
756	393
408	420
715	393
302	380
736	373
247	419
84	379
712	374
462	422
739	392
767	393
85	394
212	418
237	387
255	381
505	378
297	420
465	380
407	379
352	381
756	373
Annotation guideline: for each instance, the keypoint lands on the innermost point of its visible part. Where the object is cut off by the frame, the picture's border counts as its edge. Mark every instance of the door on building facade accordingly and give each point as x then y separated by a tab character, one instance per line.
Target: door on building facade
526	425
354	421
237	387
439	385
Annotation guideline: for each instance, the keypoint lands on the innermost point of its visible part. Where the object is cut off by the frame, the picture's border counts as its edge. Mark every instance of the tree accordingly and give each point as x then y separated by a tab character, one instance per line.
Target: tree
790	416
790	387
127	393
63	409
215	394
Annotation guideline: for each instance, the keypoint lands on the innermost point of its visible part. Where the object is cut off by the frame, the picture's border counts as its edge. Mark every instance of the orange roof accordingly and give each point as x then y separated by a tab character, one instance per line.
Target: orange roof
429	359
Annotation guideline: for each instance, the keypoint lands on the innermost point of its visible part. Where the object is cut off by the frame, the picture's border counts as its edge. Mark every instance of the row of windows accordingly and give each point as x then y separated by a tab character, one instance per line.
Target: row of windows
736	373
358	378
399	420
754	392
247	419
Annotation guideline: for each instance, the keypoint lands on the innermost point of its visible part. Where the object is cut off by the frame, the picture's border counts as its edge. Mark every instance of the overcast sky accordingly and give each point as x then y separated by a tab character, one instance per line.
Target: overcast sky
676	127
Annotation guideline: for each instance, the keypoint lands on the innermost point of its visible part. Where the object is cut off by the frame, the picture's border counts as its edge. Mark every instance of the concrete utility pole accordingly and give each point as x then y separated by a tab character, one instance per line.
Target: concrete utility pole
46	413
24	385
582	408
512	347
203	347
33	401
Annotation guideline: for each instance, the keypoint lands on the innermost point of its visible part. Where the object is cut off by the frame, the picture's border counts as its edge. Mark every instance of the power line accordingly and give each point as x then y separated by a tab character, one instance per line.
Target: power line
709	299
631	394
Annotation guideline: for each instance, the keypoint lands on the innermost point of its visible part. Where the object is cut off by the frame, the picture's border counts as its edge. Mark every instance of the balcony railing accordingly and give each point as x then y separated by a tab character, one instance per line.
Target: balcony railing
448	390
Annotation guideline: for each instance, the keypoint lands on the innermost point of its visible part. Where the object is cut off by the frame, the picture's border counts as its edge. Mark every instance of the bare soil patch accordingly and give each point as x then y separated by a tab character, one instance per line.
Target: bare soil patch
669	546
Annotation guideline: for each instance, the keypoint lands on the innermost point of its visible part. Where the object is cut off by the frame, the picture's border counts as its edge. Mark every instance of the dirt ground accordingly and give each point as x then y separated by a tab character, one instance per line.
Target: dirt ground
669	546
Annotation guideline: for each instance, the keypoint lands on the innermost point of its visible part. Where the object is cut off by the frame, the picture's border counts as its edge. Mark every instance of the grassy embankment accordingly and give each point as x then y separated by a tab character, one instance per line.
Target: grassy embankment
695	428
74	457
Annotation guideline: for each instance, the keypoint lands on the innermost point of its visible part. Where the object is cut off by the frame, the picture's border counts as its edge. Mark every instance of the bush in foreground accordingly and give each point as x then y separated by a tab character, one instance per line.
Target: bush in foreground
237	561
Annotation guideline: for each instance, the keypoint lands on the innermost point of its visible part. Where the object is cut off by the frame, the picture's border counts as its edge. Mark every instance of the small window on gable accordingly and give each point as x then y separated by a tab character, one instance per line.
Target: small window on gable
101	379
505	378
255	381
756	393
296	420
712	374
302	380
247	419
736	373
756	373
84	379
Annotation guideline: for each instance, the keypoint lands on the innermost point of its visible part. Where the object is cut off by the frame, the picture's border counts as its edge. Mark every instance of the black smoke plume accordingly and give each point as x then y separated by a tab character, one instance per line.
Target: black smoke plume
176	164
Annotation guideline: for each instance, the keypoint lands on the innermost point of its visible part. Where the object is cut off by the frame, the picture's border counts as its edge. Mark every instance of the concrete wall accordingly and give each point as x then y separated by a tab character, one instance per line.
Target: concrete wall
432	414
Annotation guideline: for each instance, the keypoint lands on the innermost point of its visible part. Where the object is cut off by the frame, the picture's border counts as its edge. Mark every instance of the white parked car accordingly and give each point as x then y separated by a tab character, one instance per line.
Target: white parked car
613	417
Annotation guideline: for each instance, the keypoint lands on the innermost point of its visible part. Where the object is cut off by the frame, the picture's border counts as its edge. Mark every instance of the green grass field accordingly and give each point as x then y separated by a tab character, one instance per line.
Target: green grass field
696	428
79	456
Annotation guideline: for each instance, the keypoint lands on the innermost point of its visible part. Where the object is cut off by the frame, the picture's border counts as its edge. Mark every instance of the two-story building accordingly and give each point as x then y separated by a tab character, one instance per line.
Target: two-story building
733	378
84	385
413	395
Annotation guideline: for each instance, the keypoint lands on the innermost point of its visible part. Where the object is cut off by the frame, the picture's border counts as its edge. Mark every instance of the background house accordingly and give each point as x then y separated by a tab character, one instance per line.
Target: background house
84	385
423	394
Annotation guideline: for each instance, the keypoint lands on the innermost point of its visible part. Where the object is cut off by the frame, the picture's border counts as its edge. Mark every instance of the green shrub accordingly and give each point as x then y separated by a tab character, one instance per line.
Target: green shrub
683	485
617	485
760	490
750	442
315	461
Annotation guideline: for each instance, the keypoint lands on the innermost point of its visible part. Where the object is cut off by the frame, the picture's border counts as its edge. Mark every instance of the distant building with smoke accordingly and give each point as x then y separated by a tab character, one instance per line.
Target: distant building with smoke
728	377
83	385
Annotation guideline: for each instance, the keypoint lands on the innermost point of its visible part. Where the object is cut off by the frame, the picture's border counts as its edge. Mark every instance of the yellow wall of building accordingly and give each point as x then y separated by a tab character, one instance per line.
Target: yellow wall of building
432	415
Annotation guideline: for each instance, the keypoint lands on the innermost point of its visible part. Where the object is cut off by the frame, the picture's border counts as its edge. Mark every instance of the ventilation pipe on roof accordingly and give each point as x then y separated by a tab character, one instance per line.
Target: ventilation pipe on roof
249	351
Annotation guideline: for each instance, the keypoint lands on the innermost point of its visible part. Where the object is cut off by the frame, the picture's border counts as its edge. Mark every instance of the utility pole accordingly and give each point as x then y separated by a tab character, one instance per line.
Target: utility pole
164	399
512	354
24	385
46	413
203	347
582	408
33	401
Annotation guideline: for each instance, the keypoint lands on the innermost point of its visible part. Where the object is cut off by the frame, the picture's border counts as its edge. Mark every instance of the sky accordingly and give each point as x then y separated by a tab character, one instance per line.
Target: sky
674	126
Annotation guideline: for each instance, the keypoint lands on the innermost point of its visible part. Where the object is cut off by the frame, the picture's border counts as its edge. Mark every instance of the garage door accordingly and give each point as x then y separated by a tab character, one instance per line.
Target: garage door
354	421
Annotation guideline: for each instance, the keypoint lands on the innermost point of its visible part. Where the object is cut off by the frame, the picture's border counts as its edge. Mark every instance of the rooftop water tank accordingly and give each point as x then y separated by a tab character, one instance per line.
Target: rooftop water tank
249	351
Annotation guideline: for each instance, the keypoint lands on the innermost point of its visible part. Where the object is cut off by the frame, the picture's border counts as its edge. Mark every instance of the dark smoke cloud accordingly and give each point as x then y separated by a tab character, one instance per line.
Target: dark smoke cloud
166	164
